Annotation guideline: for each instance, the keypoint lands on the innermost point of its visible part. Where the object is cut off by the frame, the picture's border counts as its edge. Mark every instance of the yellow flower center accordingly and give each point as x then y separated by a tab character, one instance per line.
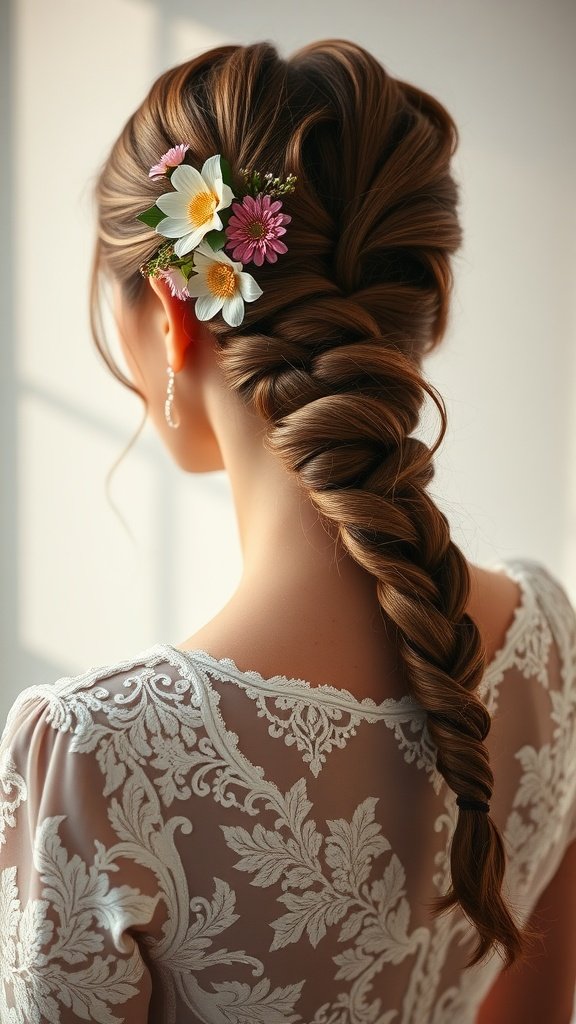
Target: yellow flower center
221	280
201	208
256	229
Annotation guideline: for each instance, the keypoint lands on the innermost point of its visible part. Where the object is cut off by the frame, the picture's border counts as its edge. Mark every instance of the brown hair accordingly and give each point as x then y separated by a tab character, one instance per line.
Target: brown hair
330	353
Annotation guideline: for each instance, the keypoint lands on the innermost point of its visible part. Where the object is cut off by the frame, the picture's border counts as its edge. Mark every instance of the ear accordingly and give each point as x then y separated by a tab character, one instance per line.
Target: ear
179	323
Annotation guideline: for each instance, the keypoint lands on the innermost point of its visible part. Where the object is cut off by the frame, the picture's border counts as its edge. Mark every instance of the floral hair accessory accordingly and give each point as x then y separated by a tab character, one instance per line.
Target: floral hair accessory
203	219
254	230
172	158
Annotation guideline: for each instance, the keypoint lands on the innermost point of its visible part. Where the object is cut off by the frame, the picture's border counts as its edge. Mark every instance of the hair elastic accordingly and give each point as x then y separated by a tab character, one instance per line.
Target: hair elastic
472	805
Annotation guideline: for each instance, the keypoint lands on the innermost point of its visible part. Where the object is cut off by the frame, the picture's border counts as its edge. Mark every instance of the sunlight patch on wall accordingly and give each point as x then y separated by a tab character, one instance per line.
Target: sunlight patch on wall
85	589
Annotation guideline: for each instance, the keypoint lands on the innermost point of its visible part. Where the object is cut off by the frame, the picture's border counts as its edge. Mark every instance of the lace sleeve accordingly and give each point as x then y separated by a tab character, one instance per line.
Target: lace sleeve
68	920
561	616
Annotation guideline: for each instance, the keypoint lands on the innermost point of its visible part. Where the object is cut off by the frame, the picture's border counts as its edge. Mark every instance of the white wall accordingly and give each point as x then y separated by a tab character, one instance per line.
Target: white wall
76	591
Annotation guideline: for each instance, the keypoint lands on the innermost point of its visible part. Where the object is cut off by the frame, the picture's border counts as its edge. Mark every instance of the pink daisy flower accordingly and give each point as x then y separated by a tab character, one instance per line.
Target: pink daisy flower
254	230
176	281
172	158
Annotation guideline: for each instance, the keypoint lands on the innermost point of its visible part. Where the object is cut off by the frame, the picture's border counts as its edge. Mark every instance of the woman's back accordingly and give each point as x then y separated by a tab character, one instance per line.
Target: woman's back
274	847
220	845
309	385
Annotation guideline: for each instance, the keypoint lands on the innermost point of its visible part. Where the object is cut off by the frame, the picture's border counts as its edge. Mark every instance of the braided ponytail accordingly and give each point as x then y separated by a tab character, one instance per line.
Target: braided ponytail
343	426
330	357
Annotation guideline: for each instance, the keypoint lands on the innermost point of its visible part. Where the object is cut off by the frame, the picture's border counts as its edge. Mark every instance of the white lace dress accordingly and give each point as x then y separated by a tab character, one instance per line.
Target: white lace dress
183	842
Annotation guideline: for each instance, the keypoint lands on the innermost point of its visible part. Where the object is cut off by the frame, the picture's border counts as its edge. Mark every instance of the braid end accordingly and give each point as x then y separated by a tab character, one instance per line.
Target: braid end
476	887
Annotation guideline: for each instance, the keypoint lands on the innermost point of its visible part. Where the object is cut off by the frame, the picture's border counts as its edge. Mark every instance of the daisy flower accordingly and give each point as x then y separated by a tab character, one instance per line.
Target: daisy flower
176	281
172	158
254	229
192	209
219	283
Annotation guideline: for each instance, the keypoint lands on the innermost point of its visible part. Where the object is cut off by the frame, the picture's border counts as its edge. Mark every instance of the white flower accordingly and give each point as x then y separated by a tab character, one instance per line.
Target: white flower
192	210
220	283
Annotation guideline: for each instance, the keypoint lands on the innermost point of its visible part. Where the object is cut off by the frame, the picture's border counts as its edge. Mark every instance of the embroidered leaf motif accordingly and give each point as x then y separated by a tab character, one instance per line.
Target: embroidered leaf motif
352	925
218	913
397	923
114	771
390	887
212	917
14	786
9	912
535	786
80	895
82	990
311	910
297	807
350	847
262	851
136	818
298	877
259	1005
85	740
34	931
352	963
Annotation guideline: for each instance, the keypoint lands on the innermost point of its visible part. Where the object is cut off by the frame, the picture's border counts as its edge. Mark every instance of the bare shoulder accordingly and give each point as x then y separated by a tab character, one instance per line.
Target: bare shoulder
324	651
494	598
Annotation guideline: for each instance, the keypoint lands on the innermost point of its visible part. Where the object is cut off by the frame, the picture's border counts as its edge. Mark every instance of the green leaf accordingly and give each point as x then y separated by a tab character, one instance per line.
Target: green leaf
215	239
151	217
226	172
225	215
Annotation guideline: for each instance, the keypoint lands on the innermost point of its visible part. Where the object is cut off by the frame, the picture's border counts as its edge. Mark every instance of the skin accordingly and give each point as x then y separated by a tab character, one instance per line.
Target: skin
321	594
317	596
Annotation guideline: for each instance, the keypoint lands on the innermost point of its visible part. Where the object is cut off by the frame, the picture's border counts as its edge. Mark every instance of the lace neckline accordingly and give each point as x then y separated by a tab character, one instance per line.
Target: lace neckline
517	569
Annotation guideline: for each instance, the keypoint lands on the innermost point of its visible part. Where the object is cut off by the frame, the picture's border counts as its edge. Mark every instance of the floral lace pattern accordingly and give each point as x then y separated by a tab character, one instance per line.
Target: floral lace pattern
150	869
325	716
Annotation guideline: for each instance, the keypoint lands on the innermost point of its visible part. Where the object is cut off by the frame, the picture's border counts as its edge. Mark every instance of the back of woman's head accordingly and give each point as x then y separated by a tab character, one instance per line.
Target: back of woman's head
330	353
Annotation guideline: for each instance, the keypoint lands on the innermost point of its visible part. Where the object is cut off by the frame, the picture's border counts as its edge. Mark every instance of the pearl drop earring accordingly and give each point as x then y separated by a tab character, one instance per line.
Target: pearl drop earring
170	399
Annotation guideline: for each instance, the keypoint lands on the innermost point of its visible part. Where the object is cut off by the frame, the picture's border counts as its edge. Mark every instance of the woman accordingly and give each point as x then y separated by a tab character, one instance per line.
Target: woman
300	813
